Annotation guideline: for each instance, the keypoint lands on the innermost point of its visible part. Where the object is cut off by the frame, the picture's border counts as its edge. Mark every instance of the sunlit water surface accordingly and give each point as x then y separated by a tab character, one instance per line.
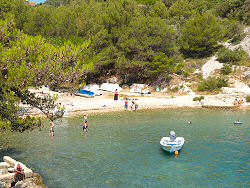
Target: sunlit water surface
123	150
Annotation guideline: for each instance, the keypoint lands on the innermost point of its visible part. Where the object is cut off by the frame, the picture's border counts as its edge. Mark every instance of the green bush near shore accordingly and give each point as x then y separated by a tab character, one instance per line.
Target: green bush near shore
248	98
212	84
198	98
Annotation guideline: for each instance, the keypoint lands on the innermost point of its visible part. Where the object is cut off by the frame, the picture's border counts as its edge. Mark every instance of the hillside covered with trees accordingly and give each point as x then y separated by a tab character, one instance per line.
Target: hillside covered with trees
64	43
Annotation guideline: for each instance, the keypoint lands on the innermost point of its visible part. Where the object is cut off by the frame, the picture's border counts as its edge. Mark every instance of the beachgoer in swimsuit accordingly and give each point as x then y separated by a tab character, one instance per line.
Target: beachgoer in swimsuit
51	131
235	102
134	104
116	95
126	104
85	117
85	127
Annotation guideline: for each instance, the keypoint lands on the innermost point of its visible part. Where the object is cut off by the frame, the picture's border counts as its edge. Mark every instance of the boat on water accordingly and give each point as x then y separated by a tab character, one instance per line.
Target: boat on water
237	122
172	143
85	93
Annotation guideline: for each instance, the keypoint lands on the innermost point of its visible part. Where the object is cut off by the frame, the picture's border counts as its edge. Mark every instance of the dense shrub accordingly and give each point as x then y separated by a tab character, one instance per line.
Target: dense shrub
200	35
212	84
226	69
198	98
226	55
248	98
234	31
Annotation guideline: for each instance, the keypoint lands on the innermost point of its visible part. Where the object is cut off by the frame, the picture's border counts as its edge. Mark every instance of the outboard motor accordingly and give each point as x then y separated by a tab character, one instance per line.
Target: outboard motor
172	135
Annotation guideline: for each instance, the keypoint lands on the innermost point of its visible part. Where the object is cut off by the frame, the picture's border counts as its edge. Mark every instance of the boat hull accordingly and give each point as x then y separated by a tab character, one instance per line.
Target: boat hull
84	95
237	123
168	145
171	148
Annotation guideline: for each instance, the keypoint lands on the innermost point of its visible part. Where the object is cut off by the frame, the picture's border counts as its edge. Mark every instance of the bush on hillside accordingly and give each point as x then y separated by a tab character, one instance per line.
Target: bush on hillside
235	31
212	84
248	98
226	55
198	98
226	69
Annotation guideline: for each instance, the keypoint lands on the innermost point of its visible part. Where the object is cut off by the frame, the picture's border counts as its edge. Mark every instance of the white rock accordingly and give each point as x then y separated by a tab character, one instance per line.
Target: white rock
110	87
4	165
210	66
7	177
11	170
3	171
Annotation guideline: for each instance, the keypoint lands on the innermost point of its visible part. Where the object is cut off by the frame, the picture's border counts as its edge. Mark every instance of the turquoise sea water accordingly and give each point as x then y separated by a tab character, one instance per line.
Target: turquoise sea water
123	150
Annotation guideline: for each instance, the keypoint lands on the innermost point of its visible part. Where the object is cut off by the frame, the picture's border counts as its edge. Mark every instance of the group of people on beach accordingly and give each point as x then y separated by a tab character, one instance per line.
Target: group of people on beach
238	102
134	105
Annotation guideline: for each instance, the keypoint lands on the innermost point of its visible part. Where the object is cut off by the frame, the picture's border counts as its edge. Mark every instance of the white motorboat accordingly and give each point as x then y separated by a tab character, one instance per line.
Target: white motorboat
172	143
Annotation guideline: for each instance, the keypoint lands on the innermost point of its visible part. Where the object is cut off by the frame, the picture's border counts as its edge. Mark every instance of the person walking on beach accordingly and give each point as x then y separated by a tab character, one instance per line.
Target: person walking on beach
126	104
116	95
51	131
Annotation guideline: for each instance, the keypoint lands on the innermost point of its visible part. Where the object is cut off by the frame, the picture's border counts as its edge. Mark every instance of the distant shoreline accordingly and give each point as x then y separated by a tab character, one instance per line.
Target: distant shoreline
77	105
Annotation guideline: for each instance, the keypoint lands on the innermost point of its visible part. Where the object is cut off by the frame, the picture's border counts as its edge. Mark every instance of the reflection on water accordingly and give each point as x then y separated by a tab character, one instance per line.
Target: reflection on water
122	149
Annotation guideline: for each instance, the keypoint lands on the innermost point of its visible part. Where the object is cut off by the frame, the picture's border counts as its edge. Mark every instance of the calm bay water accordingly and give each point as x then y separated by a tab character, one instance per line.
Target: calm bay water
123	150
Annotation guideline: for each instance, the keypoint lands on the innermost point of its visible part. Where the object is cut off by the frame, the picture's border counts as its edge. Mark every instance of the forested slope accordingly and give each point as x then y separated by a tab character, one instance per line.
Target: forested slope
69	42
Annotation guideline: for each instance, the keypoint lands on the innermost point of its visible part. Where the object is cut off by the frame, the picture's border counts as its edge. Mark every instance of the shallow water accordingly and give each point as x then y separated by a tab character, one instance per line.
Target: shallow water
123	150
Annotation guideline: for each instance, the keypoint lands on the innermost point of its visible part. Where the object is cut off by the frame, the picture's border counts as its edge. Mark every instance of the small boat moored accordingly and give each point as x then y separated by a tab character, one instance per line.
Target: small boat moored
85	93
237	122
172	143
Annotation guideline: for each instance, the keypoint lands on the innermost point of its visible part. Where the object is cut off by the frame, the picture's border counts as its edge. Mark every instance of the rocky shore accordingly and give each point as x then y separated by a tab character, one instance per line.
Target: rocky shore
32	180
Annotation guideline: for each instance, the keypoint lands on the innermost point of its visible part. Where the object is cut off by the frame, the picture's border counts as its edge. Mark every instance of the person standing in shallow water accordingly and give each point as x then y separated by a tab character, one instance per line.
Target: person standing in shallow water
116	95
85	125
51	131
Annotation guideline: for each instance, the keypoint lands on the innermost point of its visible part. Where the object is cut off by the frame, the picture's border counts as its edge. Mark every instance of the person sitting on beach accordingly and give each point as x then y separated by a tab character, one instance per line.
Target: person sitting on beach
235	102
134	105
19	174
51	131
240	102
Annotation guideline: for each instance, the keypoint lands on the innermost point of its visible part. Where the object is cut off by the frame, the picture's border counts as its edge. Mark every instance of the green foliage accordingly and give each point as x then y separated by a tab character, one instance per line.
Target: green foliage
234	31
181	9
212	84
198	98
235	10
248	98
226	55
31	61
200	35
226	69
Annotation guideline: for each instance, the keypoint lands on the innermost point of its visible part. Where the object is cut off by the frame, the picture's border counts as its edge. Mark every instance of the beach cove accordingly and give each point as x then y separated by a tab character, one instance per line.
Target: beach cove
122	149
77	105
